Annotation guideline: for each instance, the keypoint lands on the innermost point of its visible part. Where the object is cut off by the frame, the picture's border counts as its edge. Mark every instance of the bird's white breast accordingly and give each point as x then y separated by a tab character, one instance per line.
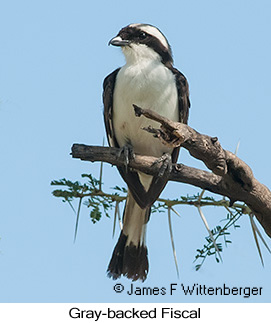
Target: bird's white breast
151	85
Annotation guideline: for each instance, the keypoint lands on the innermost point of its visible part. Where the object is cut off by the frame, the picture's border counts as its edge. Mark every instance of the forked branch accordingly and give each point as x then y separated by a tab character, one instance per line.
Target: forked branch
230	176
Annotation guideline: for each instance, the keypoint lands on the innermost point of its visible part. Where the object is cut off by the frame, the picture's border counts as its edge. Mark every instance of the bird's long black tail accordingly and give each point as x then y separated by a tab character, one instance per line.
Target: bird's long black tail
130	256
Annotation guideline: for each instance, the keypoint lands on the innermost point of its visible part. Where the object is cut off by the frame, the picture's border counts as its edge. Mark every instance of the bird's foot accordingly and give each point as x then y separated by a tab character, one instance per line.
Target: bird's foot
166	165
127	153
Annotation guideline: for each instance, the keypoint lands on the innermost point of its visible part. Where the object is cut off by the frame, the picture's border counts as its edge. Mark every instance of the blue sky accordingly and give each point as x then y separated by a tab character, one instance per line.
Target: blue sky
53	59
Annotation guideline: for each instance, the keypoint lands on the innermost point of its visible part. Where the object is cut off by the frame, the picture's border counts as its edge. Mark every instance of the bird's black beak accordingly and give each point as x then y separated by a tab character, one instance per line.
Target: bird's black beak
118	41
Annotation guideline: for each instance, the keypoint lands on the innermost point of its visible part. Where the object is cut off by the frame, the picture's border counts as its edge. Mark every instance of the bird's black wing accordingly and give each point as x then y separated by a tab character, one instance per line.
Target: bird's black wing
184	102
183	94
108	90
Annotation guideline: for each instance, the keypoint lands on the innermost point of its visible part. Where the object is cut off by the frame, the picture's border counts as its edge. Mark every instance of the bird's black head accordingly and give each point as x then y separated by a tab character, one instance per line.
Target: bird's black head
141	40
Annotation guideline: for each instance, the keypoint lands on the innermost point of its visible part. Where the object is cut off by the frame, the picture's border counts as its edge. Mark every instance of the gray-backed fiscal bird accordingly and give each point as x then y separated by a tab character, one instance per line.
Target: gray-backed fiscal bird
148	80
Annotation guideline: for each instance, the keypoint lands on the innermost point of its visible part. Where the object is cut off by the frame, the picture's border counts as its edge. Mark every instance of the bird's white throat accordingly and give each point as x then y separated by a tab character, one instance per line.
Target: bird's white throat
140	54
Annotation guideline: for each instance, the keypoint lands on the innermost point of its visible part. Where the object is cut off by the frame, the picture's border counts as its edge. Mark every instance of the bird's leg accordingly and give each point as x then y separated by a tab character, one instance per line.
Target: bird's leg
166	166
126	152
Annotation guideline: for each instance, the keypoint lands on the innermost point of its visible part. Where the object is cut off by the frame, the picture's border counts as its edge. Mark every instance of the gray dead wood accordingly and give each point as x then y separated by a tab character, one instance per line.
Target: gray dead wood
230	176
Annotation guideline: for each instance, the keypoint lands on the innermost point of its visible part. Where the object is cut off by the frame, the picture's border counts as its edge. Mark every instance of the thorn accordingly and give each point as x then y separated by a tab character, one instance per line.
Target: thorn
71	206
256	238
101	173
77	219
237	147
201	195
260	235
175	212
209	231
172	242
115	218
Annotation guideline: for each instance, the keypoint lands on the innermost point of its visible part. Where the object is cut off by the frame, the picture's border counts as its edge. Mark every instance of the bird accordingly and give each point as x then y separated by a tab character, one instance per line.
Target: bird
148	80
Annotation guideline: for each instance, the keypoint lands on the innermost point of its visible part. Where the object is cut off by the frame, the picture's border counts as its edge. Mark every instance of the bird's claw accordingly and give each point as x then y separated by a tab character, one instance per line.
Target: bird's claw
166	166
127	153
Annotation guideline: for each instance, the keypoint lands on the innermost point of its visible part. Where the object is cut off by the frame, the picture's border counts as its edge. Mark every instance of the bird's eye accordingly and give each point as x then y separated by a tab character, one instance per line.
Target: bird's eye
142	35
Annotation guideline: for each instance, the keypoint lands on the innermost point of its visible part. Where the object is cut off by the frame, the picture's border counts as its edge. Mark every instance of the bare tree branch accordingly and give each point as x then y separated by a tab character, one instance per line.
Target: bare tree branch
231	176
